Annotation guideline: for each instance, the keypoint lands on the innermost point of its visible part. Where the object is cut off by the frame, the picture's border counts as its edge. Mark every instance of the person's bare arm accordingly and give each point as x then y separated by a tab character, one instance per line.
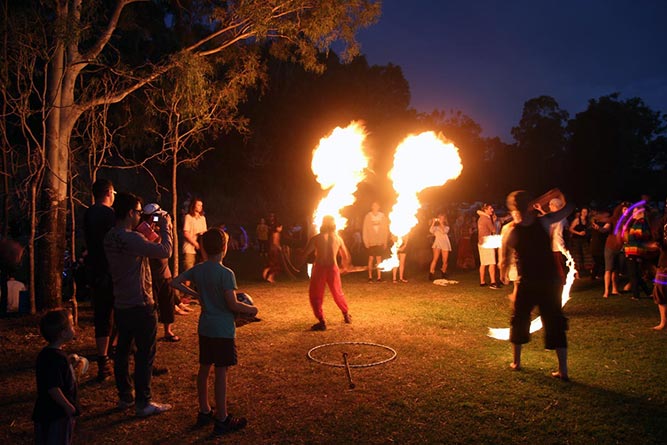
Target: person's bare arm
178	283
58	397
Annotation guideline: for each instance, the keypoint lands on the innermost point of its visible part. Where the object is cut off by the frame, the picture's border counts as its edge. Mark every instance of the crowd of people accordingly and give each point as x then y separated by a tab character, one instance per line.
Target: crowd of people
129	244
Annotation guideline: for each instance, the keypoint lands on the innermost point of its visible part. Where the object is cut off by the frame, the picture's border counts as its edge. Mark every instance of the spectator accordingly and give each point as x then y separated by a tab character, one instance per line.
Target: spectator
128	252
487	256
97	221
194	224
441	245
217	292
375	234
57	402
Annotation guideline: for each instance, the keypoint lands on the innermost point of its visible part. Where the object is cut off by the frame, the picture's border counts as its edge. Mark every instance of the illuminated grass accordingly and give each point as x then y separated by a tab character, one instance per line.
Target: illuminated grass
450	383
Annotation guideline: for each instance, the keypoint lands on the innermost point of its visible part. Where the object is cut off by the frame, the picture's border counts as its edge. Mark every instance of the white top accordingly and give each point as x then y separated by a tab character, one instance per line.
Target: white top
194	225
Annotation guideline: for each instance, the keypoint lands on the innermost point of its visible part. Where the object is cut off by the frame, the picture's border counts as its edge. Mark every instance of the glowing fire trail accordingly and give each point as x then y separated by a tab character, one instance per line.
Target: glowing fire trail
536	325
421	161
339	164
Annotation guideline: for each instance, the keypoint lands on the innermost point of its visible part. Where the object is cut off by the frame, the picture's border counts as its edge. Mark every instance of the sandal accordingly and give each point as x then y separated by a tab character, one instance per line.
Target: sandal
172	338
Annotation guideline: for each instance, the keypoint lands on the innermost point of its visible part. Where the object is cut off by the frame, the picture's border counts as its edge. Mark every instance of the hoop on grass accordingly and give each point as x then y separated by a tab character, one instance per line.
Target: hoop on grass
391	351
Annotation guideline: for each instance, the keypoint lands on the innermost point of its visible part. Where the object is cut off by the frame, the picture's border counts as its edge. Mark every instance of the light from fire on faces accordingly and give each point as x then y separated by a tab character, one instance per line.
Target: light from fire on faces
421	161
339	164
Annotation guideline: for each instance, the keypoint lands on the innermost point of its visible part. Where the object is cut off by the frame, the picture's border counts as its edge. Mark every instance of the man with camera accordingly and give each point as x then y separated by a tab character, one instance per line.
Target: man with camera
128	251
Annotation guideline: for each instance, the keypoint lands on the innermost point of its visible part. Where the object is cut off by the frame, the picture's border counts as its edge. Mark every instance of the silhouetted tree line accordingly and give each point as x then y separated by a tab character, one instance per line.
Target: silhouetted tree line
240	125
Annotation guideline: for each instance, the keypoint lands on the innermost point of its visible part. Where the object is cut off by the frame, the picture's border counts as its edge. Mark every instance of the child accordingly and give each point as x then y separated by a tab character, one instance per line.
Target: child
57	401
216	284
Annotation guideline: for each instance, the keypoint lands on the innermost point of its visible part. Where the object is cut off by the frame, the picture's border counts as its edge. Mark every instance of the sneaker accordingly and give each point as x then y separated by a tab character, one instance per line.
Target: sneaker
204	419
152	408
104	368
370	280
125	404
348	318
482	284
321	326
431	276
229	425
494	286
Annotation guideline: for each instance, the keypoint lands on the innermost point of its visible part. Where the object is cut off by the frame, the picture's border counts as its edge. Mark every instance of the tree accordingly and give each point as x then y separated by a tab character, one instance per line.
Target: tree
541	139
615	149
82	42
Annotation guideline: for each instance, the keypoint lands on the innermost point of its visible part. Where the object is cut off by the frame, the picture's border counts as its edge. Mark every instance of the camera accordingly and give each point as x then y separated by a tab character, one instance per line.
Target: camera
156	218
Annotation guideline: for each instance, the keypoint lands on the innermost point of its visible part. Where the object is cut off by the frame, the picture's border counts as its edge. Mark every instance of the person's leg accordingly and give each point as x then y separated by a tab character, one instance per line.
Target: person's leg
614	283
434	260
221	393
121	360
146	331
662	309
492	273
401	266
481	274
202	387
378	260
370	267
561	354
633	272
607	283
516	357
336	288
316	291
445	259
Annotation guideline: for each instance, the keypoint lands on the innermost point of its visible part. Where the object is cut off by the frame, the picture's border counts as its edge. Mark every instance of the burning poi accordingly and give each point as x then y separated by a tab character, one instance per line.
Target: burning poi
421	161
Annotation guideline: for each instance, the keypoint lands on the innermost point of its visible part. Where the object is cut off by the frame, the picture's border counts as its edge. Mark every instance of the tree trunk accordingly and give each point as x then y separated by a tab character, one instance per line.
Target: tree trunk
174	212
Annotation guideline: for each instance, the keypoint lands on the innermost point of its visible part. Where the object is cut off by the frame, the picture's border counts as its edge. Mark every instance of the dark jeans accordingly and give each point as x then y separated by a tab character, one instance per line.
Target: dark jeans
138	324
635	271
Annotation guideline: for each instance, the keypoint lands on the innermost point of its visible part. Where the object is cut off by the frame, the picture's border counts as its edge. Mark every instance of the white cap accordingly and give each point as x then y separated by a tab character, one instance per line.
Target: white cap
151	208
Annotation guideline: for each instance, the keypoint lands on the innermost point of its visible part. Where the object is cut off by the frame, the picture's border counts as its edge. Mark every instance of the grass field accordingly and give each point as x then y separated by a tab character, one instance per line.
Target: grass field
449	384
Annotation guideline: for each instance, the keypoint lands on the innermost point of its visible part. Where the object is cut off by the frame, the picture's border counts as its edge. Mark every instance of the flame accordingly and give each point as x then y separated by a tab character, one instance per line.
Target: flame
421	161
536	325
339	164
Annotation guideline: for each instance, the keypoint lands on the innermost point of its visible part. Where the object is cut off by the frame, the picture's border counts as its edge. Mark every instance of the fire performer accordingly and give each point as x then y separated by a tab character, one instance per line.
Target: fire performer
327	245
538	282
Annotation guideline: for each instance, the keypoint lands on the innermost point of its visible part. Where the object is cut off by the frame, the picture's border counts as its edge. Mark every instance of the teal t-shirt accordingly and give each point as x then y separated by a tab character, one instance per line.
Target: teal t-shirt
212	280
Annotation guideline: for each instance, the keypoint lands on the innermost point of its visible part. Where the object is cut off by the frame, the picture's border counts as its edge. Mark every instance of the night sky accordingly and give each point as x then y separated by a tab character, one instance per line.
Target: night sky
486	58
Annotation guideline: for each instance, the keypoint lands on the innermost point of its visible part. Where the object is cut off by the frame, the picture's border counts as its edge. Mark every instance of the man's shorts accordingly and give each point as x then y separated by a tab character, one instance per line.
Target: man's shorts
487	257
102	301
217	351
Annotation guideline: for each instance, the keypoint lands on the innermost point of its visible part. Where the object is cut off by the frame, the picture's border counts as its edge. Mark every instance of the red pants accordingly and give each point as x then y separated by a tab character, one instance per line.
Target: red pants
329	275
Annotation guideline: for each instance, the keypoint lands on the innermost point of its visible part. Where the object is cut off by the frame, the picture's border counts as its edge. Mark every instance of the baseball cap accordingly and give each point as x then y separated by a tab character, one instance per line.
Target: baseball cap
151	208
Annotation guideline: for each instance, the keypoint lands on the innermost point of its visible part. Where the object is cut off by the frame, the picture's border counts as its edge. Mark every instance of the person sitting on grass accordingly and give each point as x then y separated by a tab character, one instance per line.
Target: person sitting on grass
57	401
216	286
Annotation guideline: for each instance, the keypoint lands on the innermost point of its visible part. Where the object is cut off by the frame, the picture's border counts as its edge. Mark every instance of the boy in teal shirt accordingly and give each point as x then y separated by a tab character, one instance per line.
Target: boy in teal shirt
216	286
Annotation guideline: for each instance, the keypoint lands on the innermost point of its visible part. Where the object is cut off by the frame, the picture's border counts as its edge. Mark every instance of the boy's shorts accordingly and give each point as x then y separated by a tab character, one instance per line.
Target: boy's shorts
217	351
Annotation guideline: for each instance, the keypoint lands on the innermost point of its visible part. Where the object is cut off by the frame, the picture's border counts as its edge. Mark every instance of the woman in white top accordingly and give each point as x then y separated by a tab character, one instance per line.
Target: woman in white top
441	245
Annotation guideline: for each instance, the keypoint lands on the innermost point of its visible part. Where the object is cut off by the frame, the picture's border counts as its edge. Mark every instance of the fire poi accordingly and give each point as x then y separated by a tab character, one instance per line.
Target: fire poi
420	161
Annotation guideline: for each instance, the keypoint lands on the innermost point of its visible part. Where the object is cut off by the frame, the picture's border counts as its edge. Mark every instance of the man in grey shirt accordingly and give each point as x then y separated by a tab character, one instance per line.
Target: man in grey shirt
127	252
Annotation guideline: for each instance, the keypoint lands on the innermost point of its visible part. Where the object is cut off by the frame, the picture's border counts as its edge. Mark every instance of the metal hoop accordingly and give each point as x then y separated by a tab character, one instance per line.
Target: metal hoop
342	365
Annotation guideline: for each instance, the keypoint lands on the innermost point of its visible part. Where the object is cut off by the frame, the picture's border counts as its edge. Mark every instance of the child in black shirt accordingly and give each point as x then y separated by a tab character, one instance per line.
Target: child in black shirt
57	401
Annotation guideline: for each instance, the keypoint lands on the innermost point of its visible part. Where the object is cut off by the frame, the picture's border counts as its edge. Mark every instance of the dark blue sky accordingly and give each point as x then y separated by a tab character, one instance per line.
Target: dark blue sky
486	58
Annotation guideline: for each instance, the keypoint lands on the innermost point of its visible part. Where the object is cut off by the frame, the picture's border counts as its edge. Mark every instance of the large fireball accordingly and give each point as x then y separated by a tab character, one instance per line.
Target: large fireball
339	164
421	161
